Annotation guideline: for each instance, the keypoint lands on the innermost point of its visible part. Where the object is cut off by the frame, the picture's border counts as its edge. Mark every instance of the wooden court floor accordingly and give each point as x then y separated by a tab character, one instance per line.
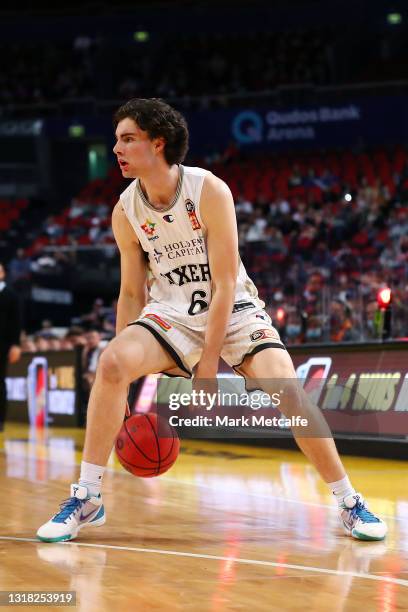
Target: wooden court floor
228	528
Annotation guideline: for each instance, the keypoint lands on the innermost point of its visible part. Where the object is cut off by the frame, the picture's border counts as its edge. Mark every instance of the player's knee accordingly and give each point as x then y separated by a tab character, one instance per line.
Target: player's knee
109	366
120	364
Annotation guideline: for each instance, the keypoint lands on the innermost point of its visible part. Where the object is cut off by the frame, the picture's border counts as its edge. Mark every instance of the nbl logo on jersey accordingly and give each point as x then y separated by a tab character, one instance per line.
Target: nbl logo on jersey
190	208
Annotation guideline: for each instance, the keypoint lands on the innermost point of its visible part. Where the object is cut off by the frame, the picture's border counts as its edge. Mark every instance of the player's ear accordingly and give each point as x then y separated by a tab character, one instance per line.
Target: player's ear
159	144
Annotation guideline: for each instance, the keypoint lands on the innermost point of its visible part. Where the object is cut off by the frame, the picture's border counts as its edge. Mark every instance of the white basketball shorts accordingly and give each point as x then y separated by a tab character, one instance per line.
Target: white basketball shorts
250	331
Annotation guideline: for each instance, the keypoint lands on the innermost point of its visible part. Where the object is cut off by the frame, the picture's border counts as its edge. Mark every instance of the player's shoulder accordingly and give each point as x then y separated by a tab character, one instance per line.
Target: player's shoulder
127	195
212	184
215	187
194	171
122	229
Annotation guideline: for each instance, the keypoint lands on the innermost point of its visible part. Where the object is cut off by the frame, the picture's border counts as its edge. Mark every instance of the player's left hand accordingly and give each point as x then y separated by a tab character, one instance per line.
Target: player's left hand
14	354
205	380
205	372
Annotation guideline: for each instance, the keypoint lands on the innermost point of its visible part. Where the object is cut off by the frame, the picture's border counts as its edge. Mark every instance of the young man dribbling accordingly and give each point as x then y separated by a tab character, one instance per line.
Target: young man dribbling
192	303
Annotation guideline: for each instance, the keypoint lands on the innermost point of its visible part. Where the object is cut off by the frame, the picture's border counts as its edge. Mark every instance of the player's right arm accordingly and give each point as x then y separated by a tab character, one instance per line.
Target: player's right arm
133	287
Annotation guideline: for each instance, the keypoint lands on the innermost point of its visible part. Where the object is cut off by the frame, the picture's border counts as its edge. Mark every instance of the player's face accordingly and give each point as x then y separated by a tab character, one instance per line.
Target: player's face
135	152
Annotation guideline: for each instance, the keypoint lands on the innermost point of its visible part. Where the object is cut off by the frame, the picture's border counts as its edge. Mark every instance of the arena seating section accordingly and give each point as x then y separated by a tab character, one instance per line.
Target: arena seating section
362	238
219	64
262	181
10	211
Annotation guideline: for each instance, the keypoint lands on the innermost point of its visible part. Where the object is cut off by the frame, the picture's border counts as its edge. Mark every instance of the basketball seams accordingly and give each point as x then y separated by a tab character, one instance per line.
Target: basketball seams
171	448
157	441
173	437
138	447
128	463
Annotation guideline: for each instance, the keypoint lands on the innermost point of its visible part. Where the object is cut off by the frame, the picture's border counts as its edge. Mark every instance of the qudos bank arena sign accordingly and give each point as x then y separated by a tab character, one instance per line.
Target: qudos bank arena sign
250	127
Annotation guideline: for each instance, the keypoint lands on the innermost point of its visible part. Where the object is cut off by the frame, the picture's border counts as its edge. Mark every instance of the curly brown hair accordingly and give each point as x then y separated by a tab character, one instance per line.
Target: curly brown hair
159	120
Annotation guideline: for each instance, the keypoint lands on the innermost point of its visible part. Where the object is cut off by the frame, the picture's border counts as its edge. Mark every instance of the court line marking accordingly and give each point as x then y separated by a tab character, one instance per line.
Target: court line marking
331	507
177	553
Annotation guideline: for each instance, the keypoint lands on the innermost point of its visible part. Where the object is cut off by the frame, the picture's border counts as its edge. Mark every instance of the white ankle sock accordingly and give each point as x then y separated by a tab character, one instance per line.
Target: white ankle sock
341	488
91	477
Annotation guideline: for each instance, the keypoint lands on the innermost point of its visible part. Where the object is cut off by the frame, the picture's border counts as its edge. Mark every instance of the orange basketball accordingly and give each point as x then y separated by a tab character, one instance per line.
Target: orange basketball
147	445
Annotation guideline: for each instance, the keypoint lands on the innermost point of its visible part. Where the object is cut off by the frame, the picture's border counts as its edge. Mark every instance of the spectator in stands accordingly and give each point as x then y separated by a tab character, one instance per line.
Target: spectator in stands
275	244
402	250
109	323
300	213
295	179
95	230
314	329
90	356
28	345
46	327
52	228
371	329
77	209
66	344
54	343
341	324
76	336
281	206
243	207
346	259
95	318
322	258
41	343
256	232
293	328
398	223
388	258
19	270
326	180
312	292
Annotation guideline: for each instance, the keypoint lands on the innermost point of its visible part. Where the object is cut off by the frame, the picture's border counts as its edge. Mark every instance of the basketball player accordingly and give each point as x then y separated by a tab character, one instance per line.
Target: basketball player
190	305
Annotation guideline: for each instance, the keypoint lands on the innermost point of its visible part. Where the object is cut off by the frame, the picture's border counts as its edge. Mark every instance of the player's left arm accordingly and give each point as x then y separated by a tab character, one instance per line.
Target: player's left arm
218	215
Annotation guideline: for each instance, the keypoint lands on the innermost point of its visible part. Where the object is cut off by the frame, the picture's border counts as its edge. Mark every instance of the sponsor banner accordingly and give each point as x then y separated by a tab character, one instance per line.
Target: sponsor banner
43	388
322	125
23	127
354	121
369	384
362	390
52	296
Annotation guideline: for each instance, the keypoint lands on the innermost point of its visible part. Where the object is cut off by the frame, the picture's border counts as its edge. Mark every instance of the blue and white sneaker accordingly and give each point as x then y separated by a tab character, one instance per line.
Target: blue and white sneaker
359	522
79	510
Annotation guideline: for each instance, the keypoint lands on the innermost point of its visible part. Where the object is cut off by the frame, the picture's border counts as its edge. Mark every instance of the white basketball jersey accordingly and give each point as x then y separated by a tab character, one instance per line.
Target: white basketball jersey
174	239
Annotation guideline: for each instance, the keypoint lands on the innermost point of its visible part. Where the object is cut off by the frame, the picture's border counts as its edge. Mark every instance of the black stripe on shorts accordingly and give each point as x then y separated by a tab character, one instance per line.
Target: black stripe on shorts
167	346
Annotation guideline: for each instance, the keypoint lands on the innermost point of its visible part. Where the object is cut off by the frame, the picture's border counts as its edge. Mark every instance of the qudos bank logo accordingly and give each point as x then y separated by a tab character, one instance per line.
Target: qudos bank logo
247	127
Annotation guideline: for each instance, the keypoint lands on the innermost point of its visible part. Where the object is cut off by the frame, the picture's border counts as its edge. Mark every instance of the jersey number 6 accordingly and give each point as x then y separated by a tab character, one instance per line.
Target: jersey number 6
197	305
